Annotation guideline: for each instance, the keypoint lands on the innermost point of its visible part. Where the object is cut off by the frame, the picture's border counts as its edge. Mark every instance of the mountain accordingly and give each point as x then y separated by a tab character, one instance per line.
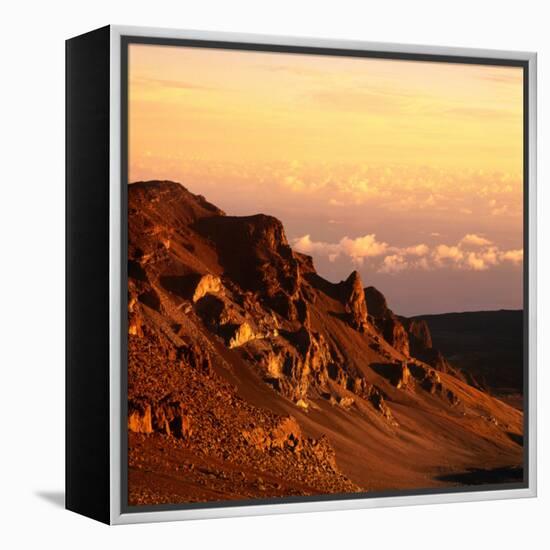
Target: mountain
486	344
251	376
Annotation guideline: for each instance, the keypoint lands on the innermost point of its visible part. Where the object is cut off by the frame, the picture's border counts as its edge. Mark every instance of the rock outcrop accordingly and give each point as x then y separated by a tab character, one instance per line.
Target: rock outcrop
419	335
354	300
241	334
255	252
421	345
166	417
386	322
430	381
207	284
140	418
239	352
402	377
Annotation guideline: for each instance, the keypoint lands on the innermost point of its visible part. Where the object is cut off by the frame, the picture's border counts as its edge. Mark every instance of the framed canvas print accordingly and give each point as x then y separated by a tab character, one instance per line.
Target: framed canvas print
300	274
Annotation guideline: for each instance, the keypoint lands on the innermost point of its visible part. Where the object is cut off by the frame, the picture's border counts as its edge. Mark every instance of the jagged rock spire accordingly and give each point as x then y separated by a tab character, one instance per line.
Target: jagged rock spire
354	300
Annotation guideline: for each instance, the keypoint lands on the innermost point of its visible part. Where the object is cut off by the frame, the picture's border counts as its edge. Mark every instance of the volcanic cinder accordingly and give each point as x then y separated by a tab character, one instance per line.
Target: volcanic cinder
251	376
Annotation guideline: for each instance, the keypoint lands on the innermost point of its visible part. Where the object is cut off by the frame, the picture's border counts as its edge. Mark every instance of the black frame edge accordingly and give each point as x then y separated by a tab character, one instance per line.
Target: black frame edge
87	125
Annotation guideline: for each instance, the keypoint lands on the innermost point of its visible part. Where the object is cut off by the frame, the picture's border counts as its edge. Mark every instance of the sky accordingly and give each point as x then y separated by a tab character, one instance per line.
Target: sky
409	172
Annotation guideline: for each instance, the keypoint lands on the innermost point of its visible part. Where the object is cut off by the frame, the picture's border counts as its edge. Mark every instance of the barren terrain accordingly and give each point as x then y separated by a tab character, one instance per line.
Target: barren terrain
251	376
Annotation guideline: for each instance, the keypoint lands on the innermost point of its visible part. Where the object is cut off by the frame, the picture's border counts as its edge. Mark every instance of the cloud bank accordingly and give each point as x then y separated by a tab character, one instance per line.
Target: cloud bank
473	252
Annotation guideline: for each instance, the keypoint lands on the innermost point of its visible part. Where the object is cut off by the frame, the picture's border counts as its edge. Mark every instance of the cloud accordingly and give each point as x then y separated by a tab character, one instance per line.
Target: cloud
393	264
485	255
398	189
363	247
473	252
475	262
294	183
417	250
444	253
356	249
423	263
307	246
474	240
514	256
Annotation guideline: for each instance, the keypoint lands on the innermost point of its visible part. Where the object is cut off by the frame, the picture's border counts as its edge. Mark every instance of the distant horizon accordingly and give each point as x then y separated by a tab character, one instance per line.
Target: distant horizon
410	172
465	311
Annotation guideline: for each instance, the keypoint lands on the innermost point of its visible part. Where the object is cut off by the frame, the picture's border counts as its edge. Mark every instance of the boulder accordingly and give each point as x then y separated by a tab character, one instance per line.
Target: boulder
206	284
374	395
288	434
285	435
241	334
140	418
403	378
166	417
324	451
170	418
195	357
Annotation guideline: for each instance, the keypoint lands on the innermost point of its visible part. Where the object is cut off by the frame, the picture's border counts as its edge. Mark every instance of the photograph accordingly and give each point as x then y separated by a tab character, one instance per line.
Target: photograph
326	277
275	275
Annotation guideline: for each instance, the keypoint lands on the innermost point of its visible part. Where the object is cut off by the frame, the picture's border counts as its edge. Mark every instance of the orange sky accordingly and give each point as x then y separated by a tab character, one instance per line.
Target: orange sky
345	148
254	106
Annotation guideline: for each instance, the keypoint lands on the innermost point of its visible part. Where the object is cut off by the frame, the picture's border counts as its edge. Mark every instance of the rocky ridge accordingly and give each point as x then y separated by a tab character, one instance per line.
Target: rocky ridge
221	309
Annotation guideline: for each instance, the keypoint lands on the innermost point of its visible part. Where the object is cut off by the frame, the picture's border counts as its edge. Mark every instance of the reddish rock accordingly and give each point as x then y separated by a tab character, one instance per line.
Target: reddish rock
353	297
420	335
207	284
170	418
140	419
387	323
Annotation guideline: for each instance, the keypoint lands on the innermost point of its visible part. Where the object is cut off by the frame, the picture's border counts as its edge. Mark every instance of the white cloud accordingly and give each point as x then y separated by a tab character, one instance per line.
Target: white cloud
357	249
393	264
417	250
443	252
423	263
491	255
307	246
475	262
514	256
485	255
362	247
474	240
472	252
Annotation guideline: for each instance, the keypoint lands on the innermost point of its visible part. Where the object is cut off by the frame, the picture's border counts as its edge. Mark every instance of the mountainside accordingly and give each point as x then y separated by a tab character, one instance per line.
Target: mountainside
251	376
486	344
